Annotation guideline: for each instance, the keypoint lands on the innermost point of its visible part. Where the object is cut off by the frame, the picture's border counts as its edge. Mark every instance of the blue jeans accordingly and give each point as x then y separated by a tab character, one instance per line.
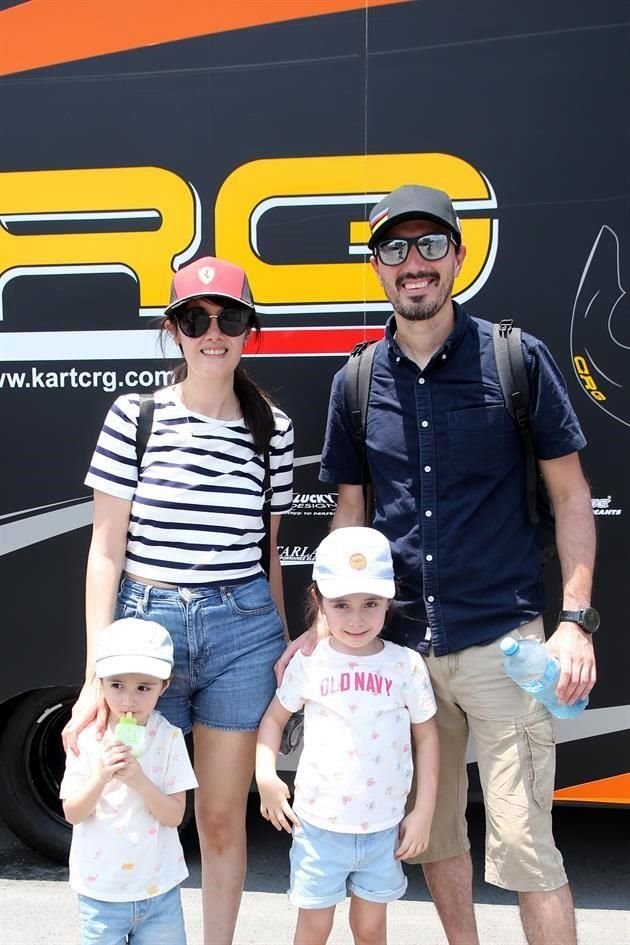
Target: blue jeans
226	640
156	921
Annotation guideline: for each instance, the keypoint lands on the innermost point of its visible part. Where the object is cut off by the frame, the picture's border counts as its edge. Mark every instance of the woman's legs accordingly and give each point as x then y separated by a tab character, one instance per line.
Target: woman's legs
314	926
224	765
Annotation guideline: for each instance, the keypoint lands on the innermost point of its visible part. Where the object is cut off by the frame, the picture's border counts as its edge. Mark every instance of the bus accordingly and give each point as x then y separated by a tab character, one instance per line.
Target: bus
138	136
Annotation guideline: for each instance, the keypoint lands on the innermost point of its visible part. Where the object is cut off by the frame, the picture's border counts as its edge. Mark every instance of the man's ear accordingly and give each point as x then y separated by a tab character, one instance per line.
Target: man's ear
374	265
165	684
460	255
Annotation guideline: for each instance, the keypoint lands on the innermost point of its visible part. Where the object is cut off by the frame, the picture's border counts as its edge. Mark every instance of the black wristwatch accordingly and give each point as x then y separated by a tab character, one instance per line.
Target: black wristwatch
587	619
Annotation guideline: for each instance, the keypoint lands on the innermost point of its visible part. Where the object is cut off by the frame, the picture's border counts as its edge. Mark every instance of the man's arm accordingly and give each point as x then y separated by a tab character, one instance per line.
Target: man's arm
350	507
575	536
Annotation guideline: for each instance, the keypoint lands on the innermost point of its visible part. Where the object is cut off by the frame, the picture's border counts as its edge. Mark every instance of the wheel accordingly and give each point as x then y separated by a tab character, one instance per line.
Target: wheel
33	765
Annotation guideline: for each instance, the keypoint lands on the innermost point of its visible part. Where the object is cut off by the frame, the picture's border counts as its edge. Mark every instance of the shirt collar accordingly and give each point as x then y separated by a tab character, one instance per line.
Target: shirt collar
462	321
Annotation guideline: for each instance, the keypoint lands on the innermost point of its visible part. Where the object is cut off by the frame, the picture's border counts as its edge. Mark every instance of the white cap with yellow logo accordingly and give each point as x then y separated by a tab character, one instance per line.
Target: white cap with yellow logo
354	561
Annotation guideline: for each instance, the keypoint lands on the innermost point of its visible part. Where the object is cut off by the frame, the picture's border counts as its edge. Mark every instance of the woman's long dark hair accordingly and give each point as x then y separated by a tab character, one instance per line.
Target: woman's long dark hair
255	403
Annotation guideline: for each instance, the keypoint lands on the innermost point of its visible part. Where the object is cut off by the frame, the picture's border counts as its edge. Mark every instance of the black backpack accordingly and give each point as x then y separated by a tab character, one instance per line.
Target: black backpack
145	425
508	353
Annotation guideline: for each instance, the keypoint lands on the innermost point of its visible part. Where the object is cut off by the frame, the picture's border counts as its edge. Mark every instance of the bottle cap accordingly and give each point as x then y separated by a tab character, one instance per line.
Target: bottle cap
509	645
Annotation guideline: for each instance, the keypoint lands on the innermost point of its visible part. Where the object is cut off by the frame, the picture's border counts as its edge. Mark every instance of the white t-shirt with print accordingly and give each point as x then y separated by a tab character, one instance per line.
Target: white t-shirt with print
355	770
121	852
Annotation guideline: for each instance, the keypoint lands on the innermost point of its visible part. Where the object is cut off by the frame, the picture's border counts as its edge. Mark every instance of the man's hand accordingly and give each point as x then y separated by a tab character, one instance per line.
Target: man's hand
306	642
414	835
274	803
90	705
573	648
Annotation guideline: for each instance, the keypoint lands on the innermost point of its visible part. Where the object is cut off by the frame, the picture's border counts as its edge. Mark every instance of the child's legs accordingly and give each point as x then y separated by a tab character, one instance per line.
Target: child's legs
368	921
105	923
314	926
159	920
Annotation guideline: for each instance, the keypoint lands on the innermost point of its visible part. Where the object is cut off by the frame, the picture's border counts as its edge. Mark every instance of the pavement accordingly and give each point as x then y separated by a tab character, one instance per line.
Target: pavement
38	907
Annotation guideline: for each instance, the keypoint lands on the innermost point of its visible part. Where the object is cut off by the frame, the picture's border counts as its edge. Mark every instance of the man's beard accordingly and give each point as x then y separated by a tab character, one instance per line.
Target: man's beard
422	308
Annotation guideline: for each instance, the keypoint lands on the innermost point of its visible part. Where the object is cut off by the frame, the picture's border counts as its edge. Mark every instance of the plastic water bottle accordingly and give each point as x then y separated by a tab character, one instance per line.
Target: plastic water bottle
535	670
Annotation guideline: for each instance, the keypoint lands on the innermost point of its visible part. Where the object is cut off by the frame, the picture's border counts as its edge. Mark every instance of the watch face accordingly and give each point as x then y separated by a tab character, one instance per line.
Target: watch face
590	620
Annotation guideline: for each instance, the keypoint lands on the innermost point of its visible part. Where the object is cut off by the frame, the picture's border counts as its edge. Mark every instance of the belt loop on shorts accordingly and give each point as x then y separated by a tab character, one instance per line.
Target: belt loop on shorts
143	604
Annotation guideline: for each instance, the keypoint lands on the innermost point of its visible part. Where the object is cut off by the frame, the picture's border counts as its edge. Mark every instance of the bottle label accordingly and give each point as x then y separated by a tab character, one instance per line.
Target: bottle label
551	670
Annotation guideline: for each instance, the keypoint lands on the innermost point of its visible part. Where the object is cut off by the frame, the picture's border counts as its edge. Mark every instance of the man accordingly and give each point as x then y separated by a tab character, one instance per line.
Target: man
448	476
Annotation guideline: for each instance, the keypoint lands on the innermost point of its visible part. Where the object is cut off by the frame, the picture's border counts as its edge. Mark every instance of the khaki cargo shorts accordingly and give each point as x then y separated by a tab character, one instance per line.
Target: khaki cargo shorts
514	742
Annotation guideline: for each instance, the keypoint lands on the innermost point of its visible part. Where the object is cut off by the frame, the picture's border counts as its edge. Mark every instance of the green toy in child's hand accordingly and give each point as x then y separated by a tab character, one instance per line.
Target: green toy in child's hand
130	733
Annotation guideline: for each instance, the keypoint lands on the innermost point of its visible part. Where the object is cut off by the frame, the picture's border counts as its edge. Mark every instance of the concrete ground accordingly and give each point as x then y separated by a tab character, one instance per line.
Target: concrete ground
38	908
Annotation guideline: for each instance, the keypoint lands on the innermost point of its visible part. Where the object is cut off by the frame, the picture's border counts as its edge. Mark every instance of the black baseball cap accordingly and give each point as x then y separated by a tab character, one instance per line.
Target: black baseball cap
413	202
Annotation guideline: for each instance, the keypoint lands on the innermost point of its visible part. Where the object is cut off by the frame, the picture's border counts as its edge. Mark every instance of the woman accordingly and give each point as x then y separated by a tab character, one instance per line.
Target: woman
179	544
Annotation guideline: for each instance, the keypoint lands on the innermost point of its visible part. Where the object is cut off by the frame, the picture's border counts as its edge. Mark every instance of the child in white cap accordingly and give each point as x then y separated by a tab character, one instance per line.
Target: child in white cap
367	704
125	796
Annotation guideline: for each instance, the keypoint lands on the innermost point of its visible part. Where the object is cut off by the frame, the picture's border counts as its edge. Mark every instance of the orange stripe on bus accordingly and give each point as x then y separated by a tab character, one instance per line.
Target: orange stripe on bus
615	790
46	32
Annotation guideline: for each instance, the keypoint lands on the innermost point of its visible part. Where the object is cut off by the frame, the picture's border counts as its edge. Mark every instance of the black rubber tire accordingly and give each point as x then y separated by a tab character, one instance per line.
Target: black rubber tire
32	767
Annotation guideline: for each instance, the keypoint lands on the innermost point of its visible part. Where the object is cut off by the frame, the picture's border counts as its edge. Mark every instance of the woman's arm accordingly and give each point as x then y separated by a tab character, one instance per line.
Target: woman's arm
105	564
275	571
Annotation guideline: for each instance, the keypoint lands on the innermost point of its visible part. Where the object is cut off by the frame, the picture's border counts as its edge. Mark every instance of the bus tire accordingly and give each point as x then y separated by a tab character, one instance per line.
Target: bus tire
32	767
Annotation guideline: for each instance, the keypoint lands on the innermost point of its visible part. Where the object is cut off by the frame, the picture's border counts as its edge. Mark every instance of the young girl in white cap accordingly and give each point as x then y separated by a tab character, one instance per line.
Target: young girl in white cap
367	704
126	795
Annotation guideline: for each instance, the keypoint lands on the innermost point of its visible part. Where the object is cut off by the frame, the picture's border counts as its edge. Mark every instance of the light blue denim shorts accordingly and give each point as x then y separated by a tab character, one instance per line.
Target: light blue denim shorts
226	640
155	921
326	866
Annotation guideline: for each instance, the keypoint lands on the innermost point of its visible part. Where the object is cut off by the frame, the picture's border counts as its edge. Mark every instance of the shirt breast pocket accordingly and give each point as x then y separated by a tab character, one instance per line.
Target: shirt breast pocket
477	438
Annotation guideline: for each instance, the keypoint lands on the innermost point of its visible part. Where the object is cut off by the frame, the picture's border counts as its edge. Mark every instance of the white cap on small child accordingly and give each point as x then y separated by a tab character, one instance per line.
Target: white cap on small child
132	645
354	561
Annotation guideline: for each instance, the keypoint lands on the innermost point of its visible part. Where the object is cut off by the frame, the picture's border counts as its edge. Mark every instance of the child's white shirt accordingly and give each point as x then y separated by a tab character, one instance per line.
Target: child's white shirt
121	852
355	770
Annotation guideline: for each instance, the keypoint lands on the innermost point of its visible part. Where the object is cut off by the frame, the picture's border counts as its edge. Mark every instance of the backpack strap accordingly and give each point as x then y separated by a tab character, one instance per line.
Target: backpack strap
358	380
265	541
145	425
508	352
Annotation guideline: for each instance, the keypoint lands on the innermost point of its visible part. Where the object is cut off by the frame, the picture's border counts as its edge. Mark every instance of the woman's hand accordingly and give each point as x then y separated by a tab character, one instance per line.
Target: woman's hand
89	706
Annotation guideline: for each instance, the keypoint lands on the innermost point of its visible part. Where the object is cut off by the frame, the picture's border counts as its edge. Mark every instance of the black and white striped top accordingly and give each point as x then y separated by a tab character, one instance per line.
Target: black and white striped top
196	513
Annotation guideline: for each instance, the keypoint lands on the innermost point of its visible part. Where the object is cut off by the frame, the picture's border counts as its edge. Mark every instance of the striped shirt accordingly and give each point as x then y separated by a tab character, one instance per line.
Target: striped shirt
196	512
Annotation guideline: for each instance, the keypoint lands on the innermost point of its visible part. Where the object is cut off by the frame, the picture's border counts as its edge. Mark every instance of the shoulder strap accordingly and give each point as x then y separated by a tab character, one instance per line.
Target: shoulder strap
508	352
358	381
265	541
145	425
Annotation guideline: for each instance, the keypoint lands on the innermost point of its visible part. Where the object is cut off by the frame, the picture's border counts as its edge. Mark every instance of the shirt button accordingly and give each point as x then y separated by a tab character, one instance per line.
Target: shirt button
427	469
425	423
444	357
430	598
428	513
420	380
397	360
429	557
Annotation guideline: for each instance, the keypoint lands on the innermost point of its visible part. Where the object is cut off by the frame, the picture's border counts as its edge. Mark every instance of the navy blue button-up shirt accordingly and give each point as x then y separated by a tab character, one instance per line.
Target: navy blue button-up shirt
448	473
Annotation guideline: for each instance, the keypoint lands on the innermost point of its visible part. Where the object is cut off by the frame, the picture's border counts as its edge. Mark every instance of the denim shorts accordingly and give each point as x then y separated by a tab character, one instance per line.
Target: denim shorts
226	640
156	921
326	865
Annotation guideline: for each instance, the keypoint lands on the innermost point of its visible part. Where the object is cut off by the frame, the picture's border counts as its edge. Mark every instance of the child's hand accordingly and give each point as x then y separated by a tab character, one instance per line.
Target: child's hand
414	835
131	773
113	760
274	803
